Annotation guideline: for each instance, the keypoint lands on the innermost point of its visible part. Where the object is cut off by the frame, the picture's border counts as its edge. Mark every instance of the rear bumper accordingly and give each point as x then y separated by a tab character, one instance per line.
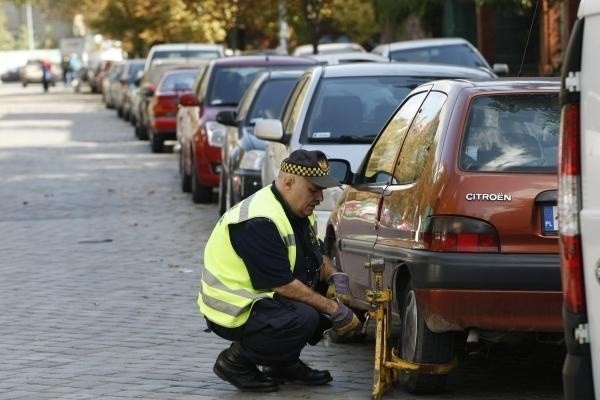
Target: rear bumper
506	292
528	311
165	127
208	161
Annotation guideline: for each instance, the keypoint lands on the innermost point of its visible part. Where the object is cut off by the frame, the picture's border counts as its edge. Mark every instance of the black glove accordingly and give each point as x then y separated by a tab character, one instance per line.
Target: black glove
345	322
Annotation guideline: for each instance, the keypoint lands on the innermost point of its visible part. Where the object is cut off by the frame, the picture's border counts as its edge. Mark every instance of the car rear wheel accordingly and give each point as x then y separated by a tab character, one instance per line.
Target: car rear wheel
140	131
200	193
186	179
156	143
419	344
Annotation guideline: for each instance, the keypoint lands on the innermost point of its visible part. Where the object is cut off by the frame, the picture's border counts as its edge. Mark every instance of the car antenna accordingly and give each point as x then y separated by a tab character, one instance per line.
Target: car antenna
528	36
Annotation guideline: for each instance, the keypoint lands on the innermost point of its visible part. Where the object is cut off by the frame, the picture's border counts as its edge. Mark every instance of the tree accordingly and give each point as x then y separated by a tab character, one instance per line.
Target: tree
7	42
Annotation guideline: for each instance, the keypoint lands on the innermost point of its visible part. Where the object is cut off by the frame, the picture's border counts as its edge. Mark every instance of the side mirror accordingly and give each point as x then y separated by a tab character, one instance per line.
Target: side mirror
340	170
148	90
500	69
188	99
227	118
269	129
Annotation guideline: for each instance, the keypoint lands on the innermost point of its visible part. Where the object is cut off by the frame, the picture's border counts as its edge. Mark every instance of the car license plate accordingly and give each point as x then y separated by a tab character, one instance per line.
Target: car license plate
549	219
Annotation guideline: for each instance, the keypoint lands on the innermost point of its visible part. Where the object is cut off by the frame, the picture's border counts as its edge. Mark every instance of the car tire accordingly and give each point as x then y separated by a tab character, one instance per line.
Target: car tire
140	131
420	345
186	179
200	193
222	193
156	143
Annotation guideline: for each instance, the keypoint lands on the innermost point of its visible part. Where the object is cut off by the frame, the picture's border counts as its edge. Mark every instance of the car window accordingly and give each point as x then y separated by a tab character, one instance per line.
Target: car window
382	155
516	132
270	99
294	104
457	54
178	81
229	83
354	109
419	140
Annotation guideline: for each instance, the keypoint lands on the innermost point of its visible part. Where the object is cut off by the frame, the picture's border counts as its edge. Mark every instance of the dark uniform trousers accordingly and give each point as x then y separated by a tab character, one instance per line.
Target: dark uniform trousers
277	331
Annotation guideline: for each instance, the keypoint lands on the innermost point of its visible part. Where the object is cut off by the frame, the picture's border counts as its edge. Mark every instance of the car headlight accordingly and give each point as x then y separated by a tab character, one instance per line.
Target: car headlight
252	159
215	133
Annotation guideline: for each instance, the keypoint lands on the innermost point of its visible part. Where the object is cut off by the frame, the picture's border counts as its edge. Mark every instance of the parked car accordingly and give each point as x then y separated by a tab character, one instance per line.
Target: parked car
242	153
31	72
339	109
11	75
110	81
199	134
190	51
328	48
147	86
96	79
579	206
126	79
455	51
456	198
162	109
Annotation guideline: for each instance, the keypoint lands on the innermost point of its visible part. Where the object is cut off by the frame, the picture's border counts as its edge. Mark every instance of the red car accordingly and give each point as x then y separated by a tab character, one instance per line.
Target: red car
199	135
162	109
456	200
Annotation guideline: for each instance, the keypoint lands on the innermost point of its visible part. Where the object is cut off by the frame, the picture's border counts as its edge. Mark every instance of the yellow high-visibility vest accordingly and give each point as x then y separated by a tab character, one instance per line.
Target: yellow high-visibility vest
226	293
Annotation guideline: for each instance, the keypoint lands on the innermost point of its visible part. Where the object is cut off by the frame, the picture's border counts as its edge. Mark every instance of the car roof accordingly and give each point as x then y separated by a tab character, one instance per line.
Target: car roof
179	61
306	49
262	60
416	43
502	84
183	46
403	68
347	57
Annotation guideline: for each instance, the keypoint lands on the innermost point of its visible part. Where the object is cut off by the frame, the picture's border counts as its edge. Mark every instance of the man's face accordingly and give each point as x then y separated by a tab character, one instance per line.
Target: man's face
303	196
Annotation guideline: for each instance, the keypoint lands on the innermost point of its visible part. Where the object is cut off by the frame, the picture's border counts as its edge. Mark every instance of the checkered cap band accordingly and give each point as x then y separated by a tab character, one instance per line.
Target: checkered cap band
302	170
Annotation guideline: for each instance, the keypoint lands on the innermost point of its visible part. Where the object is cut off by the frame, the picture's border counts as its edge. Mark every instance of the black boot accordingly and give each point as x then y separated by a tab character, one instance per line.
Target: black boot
231	366
297	372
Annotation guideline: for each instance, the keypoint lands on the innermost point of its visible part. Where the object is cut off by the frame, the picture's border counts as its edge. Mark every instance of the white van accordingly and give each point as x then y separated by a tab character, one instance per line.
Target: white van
191	51
579	205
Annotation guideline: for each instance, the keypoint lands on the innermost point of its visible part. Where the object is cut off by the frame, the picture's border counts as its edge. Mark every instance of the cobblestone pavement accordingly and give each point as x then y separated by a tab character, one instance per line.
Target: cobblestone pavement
100	258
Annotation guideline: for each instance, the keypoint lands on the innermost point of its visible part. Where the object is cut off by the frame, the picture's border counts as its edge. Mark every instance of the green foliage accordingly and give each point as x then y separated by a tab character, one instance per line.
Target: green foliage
7	42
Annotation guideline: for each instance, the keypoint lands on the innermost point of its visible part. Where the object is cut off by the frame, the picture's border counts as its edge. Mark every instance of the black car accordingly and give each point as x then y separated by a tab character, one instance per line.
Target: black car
242	153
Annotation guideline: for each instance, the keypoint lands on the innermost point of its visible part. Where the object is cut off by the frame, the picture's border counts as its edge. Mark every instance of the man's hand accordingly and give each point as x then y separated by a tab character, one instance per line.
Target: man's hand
339	288
345	322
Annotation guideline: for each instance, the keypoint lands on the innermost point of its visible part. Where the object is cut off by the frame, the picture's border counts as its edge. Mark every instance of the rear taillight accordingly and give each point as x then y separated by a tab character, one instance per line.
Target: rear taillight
460	234
569	204
165	106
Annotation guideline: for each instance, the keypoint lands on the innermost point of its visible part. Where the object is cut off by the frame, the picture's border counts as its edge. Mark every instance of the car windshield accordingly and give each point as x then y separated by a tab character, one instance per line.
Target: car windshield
517	132
355	109
270	99
179	81
457	54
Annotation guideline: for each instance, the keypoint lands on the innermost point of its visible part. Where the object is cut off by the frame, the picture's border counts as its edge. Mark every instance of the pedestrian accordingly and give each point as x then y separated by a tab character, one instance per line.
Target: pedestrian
264	276
46	73
74	67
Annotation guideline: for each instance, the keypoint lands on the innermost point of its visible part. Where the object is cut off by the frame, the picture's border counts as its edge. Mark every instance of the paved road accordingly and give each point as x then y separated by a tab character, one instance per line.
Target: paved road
100	258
